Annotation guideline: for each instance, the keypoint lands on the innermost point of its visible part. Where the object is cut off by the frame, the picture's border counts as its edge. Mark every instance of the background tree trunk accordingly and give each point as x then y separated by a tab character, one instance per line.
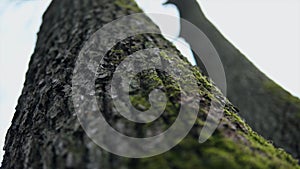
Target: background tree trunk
45	132
267	108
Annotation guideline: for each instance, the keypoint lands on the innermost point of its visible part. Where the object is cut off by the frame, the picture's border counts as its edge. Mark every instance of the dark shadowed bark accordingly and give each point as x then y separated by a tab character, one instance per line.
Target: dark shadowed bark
45	132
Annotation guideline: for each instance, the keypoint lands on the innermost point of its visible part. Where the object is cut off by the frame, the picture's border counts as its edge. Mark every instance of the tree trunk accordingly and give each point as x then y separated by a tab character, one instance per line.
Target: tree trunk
46	133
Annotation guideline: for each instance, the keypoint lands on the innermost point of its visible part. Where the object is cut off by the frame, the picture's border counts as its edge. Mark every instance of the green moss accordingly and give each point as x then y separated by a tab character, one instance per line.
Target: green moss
273	156
217	152
236	119
261	147
117	51
164	55
242	148
140	102
128	4
261	150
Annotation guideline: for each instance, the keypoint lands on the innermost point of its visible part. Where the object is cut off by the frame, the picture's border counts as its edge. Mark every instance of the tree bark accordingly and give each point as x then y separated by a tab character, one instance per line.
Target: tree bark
45	131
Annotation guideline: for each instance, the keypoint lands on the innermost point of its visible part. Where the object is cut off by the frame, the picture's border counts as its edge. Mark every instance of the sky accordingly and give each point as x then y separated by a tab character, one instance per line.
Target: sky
267	32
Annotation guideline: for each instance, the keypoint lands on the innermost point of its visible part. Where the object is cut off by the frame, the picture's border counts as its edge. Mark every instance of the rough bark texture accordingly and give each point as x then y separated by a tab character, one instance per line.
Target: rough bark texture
267	108
45	132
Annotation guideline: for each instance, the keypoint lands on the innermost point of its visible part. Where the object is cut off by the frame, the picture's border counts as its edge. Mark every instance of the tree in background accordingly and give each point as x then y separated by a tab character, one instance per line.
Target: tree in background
267	108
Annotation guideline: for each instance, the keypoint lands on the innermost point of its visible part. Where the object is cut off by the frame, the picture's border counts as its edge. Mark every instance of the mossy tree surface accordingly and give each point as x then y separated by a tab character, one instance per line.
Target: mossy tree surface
45	132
